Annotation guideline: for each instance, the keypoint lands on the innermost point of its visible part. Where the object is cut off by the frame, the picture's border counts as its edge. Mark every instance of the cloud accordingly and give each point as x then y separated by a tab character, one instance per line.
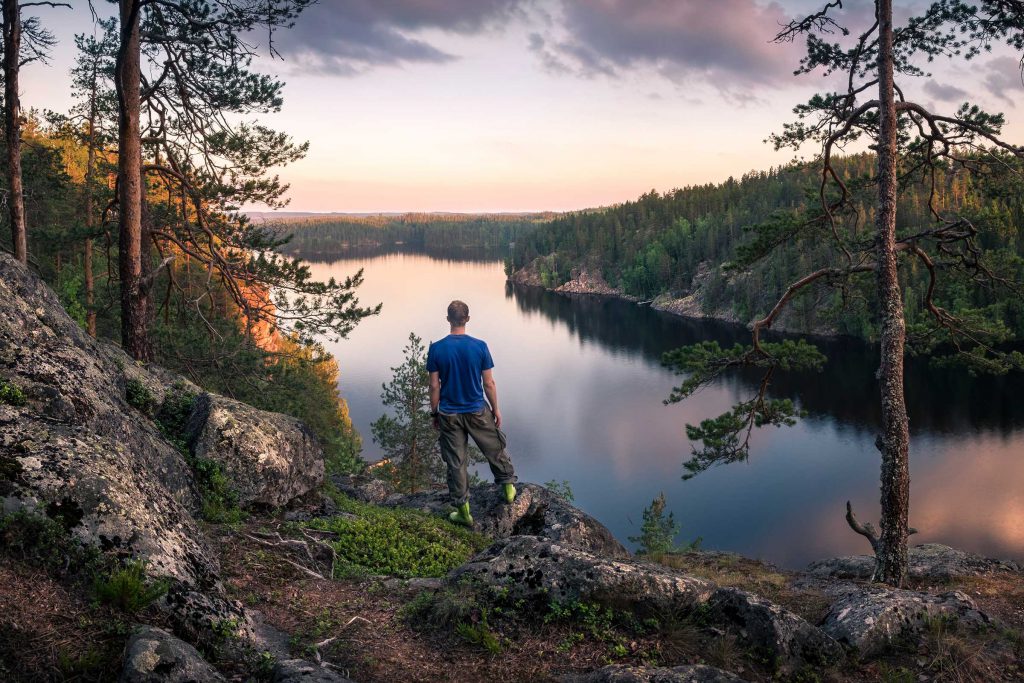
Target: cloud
947	93
728	42
1004	79
348	37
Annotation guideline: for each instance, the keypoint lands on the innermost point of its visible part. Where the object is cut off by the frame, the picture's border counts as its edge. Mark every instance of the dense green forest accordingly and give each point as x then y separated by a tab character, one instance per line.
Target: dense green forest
330	234
686	239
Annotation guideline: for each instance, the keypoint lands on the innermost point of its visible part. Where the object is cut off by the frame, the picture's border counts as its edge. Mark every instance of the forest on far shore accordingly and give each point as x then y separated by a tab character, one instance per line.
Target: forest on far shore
668	243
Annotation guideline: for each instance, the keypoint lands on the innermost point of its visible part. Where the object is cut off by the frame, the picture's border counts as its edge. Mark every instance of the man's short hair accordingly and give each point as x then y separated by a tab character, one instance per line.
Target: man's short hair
458	312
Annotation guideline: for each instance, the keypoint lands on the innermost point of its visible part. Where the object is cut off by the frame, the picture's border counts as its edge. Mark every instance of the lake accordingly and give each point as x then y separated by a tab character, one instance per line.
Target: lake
581	389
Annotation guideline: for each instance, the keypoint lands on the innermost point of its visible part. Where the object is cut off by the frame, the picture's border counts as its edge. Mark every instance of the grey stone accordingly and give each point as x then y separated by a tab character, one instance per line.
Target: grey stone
787	638
80	450
301	671
928	561
692	673
869	620
206	618
534	568
363	488
536	511
155	656
269	458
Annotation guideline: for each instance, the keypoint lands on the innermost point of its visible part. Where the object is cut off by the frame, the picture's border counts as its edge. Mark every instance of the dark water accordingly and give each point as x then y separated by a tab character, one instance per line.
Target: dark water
581	389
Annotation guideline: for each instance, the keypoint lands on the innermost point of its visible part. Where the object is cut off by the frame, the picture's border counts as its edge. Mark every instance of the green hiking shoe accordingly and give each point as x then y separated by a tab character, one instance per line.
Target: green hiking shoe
510	493
461	515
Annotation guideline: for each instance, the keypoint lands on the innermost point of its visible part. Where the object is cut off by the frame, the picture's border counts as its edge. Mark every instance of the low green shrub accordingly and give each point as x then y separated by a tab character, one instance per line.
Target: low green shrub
128	588
220	500
562	489
172	418
45	542
479	634
403	543
11	394
138	396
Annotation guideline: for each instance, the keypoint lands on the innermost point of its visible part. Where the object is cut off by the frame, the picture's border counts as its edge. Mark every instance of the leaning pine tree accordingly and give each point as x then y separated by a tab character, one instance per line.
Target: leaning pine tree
913	145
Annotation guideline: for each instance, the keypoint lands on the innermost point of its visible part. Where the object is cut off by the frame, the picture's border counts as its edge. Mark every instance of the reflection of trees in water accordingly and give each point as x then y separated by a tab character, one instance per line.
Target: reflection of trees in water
940	400
449	254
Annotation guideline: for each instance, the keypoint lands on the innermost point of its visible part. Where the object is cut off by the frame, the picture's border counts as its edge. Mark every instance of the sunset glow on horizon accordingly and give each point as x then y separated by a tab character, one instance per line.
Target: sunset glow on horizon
507	105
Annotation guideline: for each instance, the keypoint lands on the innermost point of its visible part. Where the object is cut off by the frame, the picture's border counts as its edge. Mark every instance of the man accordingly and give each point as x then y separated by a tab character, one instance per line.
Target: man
460	380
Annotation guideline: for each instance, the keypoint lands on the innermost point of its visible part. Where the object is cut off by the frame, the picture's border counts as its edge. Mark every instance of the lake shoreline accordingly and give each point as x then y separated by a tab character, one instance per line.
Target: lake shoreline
586	284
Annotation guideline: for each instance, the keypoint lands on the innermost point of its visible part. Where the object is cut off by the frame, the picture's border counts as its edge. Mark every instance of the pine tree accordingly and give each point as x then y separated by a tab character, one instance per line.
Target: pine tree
912	145
657	532
407	436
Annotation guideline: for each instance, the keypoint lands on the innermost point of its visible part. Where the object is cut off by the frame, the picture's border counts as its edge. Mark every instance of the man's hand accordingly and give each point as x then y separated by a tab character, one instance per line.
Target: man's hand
497	418
436	421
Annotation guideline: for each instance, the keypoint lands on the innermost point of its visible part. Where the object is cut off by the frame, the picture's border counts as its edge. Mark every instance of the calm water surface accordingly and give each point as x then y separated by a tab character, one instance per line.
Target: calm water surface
581	390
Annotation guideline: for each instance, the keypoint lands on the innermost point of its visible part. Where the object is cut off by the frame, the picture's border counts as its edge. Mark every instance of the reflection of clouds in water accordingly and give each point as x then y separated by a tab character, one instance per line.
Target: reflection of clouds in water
972	494
967	493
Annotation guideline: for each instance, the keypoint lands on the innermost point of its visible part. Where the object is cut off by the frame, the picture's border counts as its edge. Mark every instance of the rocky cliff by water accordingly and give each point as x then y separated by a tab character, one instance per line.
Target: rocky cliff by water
256	566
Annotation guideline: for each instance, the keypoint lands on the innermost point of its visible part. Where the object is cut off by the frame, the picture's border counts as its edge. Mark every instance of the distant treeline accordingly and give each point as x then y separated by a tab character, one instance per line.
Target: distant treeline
676	242
331	234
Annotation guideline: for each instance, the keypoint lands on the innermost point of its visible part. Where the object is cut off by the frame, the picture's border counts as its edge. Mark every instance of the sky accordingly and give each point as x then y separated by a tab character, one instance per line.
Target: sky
530	105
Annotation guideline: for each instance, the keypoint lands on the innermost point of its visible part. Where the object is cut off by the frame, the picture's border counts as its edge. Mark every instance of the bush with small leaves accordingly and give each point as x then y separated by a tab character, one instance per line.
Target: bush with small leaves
11	394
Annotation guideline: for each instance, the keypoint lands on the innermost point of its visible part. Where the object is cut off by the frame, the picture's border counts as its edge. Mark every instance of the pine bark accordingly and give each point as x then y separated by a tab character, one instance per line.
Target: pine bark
12	128
90	219
134	316
891	558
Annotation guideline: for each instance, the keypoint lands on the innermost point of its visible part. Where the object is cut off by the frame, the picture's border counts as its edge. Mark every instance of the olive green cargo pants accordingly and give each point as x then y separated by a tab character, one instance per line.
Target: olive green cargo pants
455	432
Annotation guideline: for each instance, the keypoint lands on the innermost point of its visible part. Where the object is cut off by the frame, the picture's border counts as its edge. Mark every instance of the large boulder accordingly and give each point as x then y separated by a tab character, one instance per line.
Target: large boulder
619	673
869	620
155	656
269	458
790	641
534	568
77	451
928	561
536	511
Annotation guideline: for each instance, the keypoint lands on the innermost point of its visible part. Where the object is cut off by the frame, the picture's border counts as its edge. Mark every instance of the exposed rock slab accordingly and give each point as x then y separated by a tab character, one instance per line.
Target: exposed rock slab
269	458
791	641
155	656
536	511
693	673
534	568
869	620
78	451
929	561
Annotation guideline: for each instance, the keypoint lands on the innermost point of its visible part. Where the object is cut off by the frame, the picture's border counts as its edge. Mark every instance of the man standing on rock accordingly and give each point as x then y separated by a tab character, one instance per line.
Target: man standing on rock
460	377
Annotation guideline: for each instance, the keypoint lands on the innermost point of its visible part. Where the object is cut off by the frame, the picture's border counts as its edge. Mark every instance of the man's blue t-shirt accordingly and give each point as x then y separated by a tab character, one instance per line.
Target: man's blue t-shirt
460	360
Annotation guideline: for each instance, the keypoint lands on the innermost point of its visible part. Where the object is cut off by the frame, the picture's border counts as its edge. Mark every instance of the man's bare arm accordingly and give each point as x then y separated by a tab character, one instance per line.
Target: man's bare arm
491	391
435	391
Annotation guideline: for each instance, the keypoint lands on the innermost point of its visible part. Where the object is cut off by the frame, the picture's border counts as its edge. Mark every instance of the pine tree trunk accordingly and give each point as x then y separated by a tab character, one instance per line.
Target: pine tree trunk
134	338
12	127
90	219
891	556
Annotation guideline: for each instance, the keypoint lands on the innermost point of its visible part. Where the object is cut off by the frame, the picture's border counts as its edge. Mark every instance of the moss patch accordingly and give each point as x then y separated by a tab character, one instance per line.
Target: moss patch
403	543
